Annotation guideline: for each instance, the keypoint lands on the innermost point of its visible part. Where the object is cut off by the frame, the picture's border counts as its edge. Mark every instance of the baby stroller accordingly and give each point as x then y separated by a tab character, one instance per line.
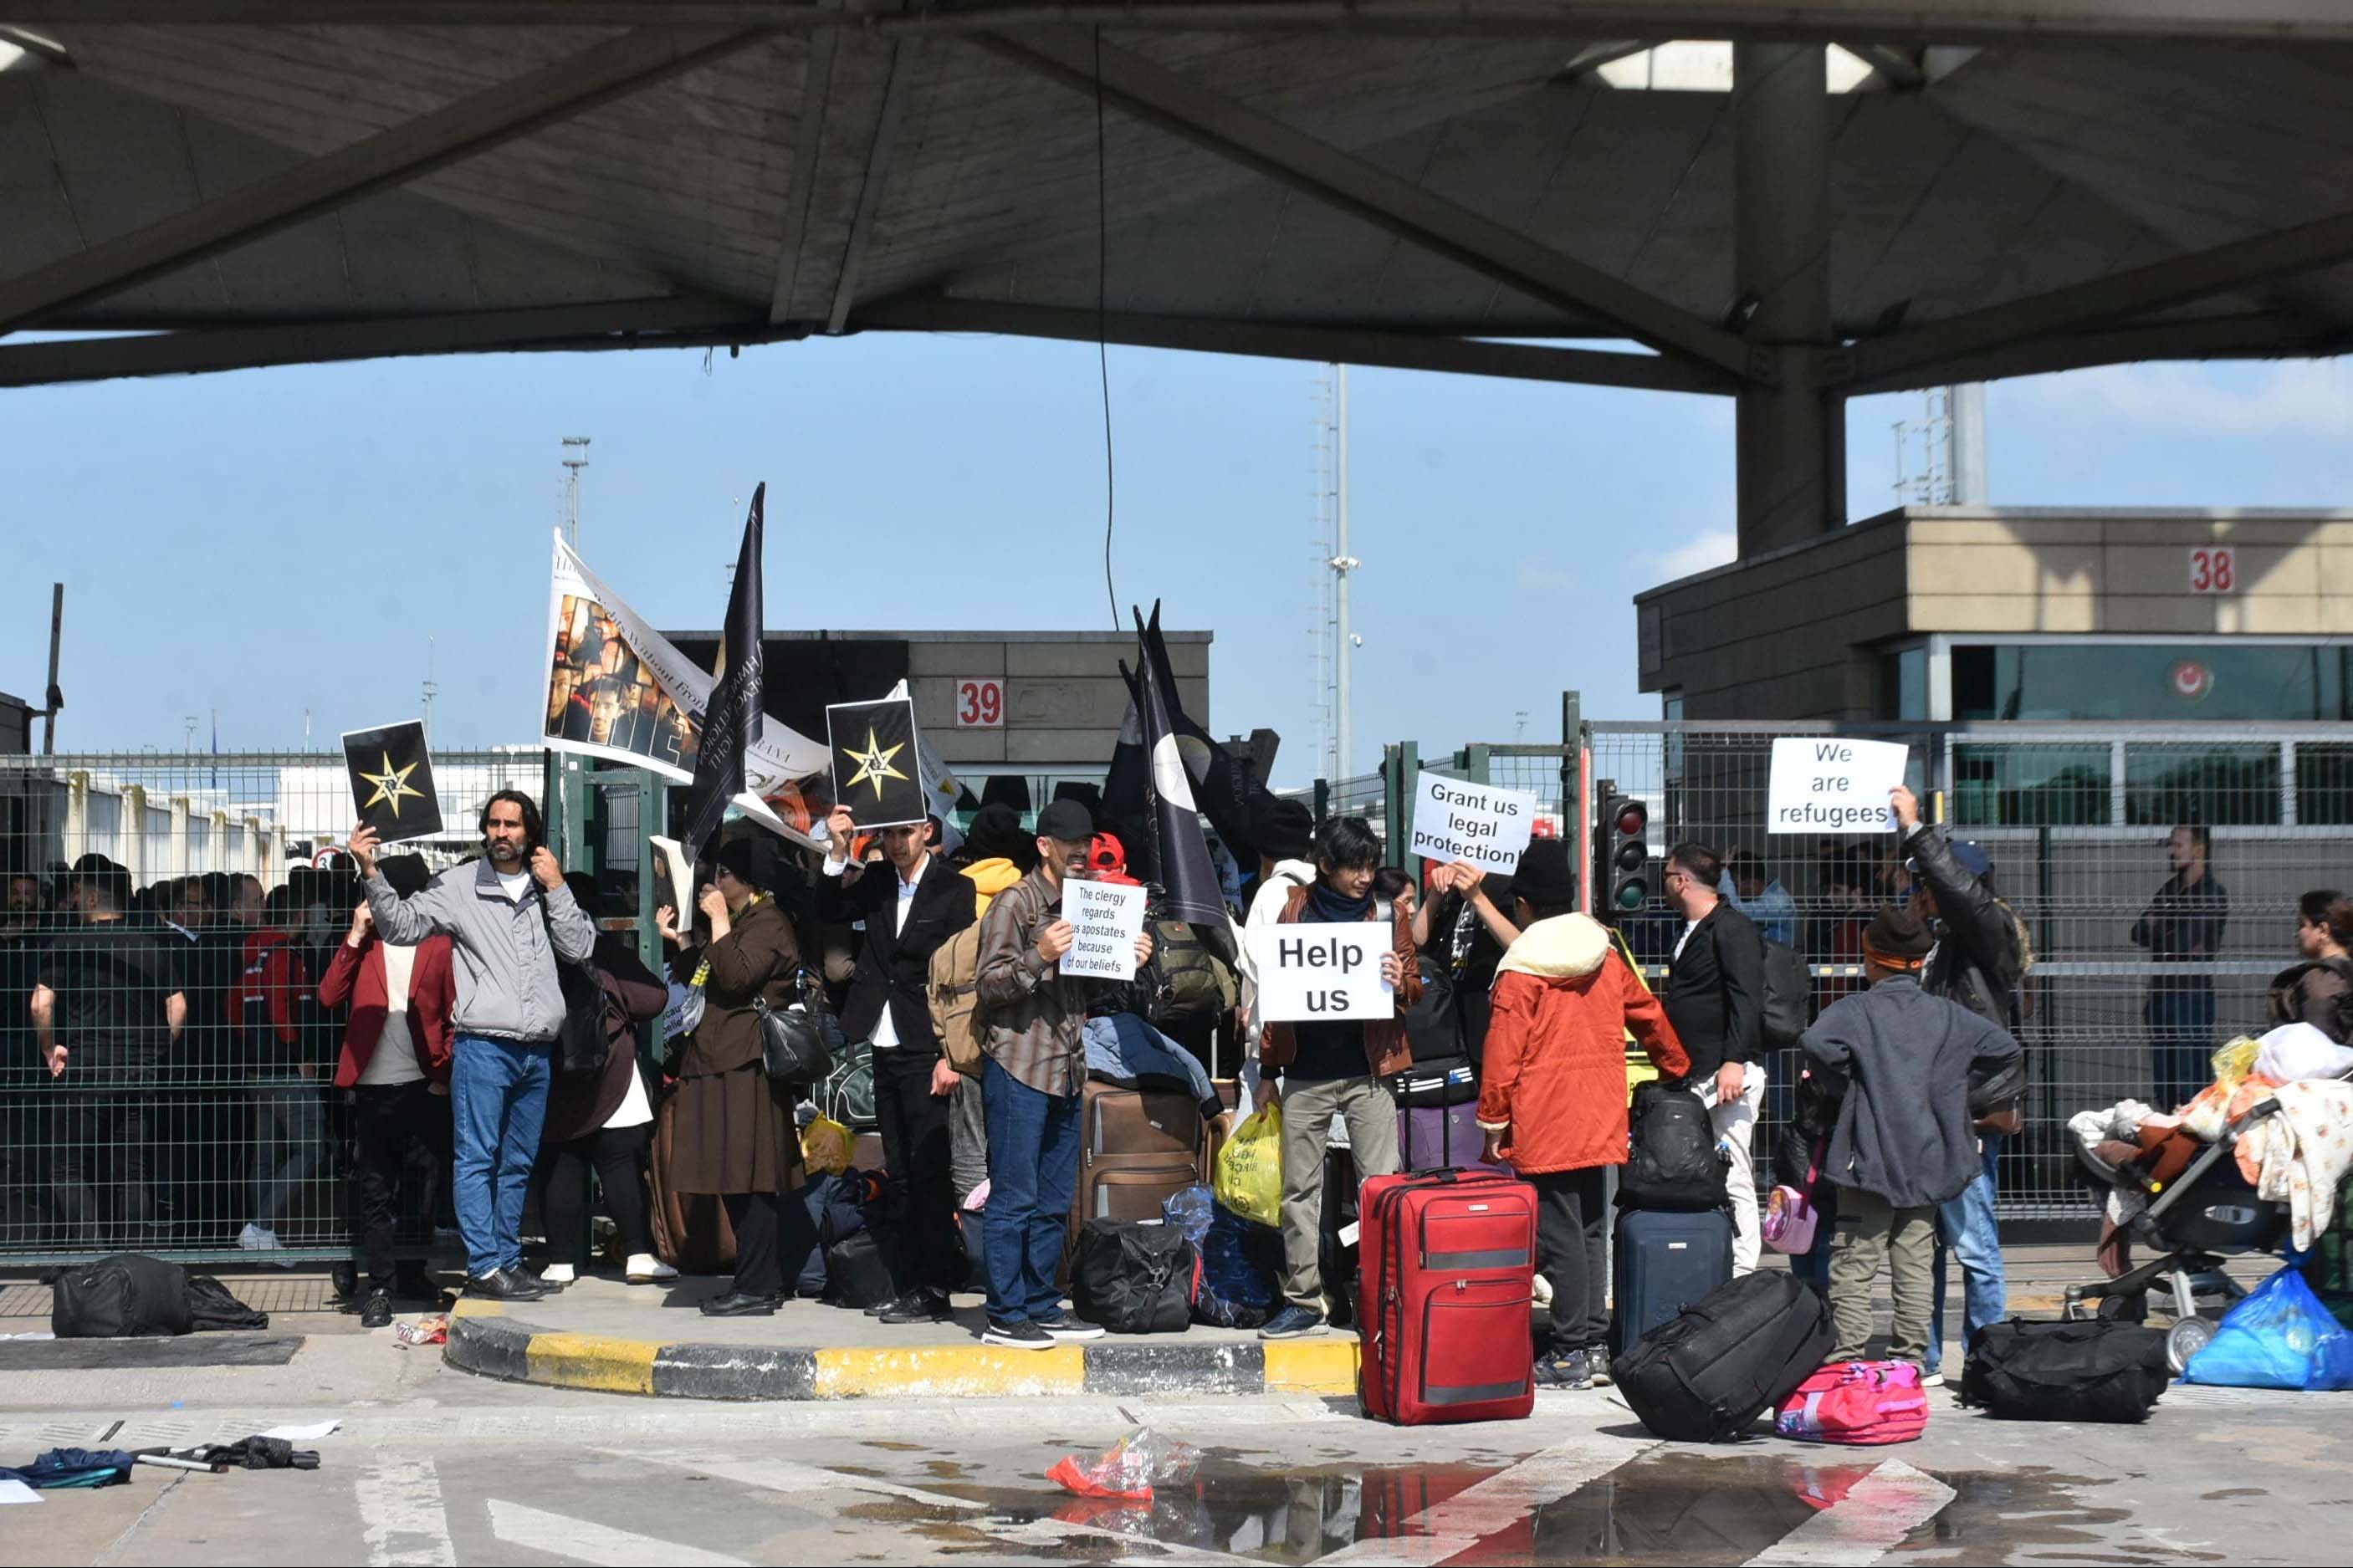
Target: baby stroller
2207	1214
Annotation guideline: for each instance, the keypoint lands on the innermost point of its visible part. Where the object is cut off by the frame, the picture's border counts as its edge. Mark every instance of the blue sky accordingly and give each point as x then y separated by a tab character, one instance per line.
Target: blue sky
264	541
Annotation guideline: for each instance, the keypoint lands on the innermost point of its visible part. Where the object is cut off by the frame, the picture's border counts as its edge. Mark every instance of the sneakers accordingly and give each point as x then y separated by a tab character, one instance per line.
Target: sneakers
1292	1322
645	1269
1932	1380
558	1274
1597	1359
376	1312
1016	1336
1067	1330
255	1238
1571	1371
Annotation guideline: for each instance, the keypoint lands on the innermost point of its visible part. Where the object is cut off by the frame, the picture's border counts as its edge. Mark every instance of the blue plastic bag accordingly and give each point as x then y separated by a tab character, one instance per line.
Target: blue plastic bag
1189	1211
2279	1337
1240	1261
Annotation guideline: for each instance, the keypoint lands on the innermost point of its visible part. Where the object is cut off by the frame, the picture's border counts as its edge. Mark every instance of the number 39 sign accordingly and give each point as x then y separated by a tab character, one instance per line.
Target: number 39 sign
980	703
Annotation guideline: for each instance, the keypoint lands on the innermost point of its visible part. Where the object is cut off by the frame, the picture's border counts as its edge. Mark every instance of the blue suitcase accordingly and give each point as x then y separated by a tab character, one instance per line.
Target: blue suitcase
1661	1263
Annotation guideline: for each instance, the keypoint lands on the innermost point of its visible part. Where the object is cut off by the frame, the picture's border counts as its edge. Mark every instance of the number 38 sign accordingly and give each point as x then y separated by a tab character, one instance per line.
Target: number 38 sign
2211	570
980	703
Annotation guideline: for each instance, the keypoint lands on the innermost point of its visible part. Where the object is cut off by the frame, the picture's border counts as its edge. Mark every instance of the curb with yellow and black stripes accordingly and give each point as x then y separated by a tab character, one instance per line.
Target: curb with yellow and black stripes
485	1341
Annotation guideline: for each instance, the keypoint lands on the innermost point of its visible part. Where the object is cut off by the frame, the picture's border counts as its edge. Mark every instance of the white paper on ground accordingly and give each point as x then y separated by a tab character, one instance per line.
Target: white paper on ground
310	1434
17	1492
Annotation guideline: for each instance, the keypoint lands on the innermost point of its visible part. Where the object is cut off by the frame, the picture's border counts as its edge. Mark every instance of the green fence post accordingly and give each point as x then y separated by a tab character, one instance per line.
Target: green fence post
1322	801
1474	764
1575	811
1401	778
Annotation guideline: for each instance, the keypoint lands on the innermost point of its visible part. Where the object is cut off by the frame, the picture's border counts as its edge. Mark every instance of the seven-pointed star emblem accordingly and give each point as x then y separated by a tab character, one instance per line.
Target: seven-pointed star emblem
391	786
873	763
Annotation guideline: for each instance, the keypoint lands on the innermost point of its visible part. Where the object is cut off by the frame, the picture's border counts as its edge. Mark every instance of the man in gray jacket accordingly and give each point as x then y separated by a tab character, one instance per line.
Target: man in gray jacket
509	918
1903	1063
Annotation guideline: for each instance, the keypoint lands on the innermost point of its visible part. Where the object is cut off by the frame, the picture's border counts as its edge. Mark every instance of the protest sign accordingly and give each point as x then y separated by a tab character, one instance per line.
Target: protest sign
1105	919
1322	972
391	781
1485	825
875	771
1823	785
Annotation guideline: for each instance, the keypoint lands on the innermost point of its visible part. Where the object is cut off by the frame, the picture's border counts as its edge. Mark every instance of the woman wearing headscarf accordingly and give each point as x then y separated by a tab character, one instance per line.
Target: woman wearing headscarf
734	1132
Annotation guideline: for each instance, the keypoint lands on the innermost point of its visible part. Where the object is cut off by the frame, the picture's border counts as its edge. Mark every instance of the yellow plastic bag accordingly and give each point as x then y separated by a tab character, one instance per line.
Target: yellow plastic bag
2234	1062
825	1147
1250	1168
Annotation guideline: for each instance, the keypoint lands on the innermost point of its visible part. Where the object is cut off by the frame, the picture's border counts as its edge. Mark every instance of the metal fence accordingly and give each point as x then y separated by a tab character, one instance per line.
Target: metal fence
2077	820
189	1137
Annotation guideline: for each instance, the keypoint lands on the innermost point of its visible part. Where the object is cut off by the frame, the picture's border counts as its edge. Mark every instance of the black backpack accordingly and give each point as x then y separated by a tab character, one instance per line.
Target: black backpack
1788	992
1674	1165
1135	1276
1708	1373
2093	1371
1433	1025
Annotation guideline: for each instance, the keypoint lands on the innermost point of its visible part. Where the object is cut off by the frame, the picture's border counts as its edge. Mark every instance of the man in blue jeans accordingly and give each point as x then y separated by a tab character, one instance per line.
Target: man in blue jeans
1033	1018
1980	960
509	918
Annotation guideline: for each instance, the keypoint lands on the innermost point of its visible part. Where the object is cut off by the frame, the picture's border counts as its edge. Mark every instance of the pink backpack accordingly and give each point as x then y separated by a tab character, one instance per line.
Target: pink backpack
1791	1217
1861	1401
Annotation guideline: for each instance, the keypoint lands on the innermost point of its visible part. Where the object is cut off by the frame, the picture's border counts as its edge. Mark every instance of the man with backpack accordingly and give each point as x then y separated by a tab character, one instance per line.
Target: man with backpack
1553	1101
1903	1063
1979	958
1715	999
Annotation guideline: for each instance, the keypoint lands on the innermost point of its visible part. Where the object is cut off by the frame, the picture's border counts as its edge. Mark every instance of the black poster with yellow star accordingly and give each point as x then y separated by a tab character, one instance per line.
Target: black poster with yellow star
391	781
874	769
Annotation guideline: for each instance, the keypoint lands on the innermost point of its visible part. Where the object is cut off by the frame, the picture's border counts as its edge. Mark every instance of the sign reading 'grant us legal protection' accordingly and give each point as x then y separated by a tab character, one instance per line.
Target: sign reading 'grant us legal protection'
1479	823
1323	973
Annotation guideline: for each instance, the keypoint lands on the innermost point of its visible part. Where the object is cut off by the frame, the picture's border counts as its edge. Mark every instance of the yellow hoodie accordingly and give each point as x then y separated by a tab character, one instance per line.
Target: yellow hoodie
989	879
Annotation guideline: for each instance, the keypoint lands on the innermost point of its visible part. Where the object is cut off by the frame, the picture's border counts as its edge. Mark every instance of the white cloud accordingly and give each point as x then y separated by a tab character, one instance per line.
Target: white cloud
1716	547
2291	397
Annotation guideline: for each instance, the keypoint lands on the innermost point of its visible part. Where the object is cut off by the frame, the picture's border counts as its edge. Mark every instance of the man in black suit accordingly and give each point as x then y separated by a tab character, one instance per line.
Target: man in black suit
1715	999
908	911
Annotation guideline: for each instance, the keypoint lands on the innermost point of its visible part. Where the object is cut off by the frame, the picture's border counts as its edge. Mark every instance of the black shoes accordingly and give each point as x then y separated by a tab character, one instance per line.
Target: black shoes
917	1307
740	1304
376	1312
411	1283
505	1285
1024	1336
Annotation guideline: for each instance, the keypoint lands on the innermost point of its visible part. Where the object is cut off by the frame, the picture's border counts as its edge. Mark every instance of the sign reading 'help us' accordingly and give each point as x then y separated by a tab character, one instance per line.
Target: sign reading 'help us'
1106	918
1321	973
1457	821
1824	785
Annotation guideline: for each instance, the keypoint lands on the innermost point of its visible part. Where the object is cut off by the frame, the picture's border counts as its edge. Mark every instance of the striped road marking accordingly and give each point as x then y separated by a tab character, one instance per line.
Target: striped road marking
600	1544
401	1522
1497	1503
1873	1517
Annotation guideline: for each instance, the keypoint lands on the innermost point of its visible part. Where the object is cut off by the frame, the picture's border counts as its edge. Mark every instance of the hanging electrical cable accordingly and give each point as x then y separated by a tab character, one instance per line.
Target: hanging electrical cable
1102	351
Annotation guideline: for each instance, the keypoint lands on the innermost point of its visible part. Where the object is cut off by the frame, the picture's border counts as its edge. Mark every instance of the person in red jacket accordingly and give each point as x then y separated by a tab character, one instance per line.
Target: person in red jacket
395	1063
1553	1098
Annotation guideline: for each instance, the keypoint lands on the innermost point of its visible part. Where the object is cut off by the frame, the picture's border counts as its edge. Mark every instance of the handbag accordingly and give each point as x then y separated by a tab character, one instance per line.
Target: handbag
792	1039
1791	1217
581	1044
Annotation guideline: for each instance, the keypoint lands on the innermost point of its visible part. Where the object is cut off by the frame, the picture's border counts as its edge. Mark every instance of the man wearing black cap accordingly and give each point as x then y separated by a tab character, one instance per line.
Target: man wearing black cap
1979	958
1034	1036
107	1006
1903	1063
908	915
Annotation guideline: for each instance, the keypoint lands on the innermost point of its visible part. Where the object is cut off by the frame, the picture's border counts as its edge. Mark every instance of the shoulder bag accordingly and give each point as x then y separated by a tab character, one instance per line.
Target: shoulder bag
792	1039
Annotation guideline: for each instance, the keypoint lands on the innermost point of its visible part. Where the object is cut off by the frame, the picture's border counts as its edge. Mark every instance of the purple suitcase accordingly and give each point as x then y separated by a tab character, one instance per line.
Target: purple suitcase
1432	1137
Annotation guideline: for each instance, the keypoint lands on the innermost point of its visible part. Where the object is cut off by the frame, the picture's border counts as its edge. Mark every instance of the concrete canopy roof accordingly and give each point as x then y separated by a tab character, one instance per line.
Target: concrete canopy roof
1387	182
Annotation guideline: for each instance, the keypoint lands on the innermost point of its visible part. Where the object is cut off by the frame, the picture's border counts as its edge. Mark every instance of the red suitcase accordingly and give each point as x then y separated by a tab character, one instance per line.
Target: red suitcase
1446	1259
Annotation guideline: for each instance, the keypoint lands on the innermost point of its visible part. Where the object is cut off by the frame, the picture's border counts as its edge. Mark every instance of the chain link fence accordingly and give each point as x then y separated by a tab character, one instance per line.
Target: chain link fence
194	1114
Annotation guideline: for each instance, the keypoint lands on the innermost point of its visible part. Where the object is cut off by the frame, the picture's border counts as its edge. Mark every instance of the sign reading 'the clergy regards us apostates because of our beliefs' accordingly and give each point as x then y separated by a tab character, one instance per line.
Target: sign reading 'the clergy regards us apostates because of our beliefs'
1479	823
1106	918
1322	972
1824	785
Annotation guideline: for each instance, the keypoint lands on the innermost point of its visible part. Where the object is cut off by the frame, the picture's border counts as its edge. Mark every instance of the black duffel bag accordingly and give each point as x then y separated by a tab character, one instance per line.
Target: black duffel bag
1708	1373
1134	1277
2093	1371
127	1295
1674	1165
858	1271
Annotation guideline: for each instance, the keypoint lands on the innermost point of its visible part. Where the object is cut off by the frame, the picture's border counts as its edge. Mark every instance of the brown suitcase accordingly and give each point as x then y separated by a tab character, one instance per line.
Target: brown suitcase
690	1231
1136	1148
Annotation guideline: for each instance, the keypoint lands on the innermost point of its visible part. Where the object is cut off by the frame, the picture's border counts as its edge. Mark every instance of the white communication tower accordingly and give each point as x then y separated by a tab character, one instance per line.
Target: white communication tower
575	457
1330	633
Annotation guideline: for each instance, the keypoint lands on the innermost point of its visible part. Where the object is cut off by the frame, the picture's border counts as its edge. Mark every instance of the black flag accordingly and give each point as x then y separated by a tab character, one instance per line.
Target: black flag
1179	855
1224	790
730	721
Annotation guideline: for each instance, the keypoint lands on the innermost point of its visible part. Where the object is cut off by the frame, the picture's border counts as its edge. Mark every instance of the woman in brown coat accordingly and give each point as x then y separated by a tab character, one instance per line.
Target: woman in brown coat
735	1132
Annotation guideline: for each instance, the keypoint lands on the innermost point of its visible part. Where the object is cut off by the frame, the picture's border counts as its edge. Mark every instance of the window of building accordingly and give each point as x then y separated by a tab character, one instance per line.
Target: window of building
1900	684
2203	681
2031	786
2219	786
2324	784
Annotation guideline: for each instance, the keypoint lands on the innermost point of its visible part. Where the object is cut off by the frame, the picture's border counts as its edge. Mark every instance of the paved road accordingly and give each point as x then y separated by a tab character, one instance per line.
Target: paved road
434	1467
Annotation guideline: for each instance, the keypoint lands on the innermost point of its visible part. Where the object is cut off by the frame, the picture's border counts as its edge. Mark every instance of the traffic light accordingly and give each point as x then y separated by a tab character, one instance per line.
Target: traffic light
1625	822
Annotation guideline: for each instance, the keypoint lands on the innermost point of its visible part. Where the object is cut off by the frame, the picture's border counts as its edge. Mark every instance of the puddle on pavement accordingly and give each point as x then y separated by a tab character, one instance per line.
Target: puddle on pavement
1674	1506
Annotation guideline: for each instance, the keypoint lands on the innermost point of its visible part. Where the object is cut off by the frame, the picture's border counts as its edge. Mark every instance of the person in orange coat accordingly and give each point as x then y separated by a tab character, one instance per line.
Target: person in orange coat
1553	1098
